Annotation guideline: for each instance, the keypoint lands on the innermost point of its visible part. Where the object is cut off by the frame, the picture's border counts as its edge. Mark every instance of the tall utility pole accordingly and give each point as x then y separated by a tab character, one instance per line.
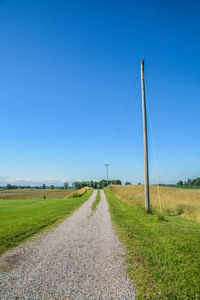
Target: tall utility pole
106	165
146	164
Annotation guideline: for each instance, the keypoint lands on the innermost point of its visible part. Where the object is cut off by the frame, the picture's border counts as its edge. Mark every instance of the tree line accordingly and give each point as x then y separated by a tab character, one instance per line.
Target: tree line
42	187
95	184
190	182
77	185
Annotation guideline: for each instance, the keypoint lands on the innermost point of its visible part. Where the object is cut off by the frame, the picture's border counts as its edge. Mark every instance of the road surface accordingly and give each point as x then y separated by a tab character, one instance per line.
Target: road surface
79	259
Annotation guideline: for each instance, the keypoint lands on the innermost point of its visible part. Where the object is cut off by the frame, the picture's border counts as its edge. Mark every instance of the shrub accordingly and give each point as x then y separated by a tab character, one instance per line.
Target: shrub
75	195
160	218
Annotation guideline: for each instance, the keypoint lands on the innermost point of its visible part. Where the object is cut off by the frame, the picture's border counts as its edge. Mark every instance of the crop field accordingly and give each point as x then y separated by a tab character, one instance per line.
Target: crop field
162	255
22	218
173	201
34	193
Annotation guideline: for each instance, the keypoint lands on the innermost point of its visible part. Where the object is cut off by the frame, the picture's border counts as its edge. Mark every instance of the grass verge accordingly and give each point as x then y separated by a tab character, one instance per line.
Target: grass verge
96	202
163	257
21	219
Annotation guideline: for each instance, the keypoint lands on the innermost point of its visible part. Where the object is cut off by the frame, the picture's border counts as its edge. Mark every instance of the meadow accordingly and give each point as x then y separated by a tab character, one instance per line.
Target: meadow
162	256
168	201
20	219
34	193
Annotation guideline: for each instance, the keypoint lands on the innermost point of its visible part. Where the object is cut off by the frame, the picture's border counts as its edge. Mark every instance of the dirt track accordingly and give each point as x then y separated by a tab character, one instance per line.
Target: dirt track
79	259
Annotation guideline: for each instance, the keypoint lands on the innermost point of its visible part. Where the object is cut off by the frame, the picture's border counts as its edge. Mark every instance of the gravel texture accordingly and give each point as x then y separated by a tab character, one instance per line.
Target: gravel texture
79	259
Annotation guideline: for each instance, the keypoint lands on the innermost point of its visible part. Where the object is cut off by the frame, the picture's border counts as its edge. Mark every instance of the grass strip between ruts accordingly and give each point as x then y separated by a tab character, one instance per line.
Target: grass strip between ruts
96	202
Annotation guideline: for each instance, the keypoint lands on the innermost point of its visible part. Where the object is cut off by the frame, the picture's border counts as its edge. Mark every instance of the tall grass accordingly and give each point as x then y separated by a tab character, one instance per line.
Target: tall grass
173	201
79	193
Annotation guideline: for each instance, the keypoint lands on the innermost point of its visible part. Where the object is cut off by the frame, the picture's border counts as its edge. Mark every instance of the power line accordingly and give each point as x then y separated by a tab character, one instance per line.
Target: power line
136	81
155	19
125	118
123	122
171	22
154	154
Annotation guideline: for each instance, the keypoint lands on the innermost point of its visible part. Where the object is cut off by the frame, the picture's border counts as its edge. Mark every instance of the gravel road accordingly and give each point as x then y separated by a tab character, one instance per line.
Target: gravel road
79	259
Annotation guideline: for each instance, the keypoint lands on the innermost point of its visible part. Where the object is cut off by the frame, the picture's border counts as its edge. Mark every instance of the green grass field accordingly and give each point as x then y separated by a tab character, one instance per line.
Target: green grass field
20	219
163	257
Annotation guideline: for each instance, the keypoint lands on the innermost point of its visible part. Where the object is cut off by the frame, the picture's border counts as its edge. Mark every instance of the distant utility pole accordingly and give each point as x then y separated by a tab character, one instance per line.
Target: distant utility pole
146	165
107	165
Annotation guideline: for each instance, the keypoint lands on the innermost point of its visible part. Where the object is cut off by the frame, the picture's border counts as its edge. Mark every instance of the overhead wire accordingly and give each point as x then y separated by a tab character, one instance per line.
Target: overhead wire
124	118
154	23
171	22
154	154
135	83
128	115
148	43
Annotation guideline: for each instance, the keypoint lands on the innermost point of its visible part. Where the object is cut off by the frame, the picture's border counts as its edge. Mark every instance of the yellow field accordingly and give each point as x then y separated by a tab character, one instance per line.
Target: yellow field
174	201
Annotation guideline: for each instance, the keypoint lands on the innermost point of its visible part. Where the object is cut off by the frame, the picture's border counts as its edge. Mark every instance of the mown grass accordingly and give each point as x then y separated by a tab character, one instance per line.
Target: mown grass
96	202
163	257
172	201
20	219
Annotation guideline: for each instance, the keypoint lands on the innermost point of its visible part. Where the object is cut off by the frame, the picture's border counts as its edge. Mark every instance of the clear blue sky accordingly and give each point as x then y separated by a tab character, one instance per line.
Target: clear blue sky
70	89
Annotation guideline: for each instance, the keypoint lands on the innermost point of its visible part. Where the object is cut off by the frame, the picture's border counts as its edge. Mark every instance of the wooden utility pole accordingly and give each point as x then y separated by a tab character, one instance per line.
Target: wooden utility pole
106	165
146	164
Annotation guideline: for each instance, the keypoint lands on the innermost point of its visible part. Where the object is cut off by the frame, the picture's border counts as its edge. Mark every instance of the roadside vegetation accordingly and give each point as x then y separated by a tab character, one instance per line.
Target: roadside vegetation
96	202
172	201
162	256
21	219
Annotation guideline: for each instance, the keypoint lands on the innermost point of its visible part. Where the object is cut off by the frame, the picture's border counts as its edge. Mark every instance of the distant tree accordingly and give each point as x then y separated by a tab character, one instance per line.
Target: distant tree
128	183
180	182
8	186
77	185
44	186
94	184
116	182
51	187
66	185
98	186
102	183
197	181
190	182
139	183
